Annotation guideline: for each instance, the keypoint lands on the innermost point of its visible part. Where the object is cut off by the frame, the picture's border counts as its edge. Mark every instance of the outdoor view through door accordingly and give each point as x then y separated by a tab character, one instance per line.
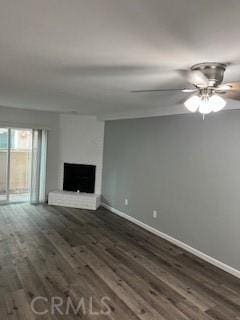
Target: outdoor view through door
3	164
20	163
15	164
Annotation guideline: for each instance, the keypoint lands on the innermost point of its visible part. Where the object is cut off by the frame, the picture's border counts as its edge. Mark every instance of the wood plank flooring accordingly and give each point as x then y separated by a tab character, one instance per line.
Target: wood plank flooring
86	257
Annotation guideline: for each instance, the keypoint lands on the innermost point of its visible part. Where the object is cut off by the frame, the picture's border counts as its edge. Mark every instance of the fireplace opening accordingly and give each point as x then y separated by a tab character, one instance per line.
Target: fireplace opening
79	177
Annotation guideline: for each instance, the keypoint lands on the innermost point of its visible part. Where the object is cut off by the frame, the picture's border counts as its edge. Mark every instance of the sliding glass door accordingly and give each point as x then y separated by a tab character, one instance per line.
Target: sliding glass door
20	165
15	164
4	164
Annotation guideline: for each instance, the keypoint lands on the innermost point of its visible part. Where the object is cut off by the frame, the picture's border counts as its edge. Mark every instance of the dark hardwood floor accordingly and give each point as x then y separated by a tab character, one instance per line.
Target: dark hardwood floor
107	267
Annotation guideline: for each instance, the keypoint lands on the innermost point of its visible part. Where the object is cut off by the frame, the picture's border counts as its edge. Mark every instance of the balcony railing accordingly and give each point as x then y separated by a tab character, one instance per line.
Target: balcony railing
20	171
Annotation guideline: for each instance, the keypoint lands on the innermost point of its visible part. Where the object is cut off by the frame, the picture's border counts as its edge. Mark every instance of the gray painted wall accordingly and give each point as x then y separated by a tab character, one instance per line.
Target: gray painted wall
187	169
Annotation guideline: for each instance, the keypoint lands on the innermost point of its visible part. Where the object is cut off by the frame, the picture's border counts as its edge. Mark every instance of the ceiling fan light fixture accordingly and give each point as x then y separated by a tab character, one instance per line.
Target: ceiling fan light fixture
192	103
204	105
217	103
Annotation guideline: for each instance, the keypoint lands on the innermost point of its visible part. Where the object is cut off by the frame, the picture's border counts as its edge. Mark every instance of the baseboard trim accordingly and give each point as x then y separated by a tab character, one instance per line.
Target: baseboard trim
178	243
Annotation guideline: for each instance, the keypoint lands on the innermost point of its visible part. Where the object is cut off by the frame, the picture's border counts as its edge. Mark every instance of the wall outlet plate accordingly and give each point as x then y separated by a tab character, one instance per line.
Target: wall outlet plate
155	213
126	202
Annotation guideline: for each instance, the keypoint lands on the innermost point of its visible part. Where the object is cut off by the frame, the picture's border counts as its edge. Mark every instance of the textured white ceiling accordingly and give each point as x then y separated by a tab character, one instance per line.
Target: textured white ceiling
86	55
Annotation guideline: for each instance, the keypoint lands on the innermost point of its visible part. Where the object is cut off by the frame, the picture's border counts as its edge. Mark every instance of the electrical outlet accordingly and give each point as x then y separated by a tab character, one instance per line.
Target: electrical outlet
155	213
126	202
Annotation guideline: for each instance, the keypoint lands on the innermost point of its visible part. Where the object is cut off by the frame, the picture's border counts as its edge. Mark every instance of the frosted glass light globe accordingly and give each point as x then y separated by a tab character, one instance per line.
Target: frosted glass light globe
192	103
217	103
204	106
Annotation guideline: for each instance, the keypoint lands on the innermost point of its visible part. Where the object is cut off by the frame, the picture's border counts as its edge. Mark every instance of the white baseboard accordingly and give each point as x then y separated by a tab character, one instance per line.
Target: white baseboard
178	243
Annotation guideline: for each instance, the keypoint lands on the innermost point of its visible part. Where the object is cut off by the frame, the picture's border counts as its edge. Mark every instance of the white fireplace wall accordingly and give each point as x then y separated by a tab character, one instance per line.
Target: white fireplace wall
81	141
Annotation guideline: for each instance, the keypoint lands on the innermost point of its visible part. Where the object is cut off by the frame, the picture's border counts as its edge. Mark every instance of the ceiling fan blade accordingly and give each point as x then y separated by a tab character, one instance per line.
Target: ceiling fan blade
163	90
233	86
195	77
189	90
230	90
234	95
223	88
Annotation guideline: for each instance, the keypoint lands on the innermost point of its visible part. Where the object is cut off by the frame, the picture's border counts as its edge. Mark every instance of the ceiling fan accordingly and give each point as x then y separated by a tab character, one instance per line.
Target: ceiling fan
208	91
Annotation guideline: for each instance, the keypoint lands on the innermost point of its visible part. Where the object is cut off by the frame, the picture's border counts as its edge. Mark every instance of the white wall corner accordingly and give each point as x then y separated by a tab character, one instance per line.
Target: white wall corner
81	141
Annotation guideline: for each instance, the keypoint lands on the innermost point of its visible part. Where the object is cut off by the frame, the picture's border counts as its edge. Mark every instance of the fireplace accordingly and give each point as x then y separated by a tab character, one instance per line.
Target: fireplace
79	177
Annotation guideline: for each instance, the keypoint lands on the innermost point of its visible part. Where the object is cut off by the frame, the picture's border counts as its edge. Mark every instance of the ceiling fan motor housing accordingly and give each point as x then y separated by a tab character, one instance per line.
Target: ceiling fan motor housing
213	71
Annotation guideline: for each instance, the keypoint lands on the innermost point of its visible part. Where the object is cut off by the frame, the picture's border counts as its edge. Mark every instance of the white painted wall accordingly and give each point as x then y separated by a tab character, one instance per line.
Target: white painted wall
81	141
35	119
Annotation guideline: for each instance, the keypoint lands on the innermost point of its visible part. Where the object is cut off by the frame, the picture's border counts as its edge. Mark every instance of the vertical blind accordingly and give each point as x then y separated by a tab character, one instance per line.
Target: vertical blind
38	177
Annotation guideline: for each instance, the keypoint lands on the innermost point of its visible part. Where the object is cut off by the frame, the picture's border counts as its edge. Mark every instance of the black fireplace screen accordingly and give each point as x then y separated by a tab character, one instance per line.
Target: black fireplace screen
79	177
